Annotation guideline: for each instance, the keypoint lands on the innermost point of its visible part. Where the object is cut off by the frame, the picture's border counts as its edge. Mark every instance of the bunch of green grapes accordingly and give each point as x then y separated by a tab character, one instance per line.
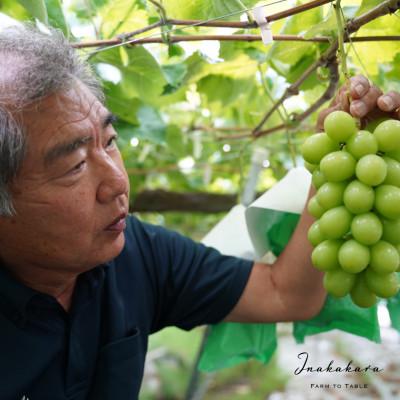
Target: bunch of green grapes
356	236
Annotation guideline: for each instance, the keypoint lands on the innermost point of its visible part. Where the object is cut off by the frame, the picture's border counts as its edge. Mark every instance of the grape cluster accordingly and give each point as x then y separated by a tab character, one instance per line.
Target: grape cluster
356	235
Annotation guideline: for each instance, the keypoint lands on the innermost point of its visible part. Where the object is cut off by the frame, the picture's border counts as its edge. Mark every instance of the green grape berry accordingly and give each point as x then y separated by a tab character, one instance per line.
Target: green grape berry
366	228
361	144
394	154
338	166
383	285
393	172
330	194
391	231
314	208
384	258
314	235
387	201
336	222
339	126
387	135
325	256
338	283
353	256
398	250
358	197
318	178
371	170
316	147
361	295
310	167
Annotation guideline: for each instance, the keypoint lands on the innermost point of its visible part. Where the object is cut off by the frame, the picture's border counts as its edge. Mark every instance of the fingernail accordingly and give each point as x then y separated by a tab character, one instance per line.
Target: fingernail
359	89
359	108
388	102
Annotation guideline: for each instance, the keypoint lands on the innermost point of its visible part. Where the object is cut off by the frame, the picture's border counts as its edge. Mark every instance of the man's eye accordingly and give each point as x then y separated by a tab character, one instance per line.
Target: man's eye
78	167
112	142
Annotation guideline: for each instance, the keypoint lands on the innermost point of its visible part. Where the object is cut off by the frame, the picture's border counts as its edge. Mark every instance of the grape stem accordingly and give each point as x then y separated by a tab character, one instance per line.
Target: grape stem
342	52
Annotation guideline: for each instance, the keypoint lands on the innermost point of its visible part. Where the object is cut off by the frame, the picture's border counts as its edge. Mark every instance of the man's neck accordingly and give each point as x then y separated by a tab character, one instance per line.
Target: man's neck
58	284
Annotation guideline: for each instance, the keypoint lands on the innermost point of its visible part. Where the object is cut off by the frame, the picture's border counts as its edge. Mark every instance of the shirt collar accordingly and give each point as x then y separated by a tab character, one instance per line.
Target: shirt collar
14	293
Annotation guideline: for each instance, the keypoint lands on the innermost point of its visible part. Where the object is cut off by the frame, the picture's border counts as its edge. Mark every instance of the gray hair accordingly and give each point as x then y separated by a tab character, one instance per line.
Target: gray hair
33	65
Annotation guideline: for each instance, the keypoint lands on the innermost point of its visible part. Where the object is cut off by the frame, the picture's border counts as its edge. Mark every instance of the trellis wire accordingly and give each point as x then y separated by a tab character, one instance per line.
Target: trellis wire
186	27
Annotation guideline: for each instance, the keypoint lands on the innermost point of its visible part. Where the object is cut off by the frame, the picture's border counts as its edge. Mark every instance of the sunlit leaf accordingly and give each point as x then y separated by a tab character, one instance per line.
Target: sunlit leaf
200	9
14	9
366	5
121	16
142	77
56	16
37	8
298	24
219	88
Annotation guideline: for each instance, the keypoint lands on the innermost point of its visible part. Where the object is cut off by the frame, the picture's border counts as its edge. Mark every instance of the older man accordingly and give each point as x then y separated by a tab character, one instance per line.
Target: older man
82	284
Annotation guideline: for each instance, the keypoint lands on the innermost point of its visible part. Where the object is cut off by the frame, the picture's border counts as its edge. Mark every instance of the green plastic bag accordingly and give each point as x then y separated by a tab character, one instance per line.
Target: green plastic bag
393	306
230	343
341	314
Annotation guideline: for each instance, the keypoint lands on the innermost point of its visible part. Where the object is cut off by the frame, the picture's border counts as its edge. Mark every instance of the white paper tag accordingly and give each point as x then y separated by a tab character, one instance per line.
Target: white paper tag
262	22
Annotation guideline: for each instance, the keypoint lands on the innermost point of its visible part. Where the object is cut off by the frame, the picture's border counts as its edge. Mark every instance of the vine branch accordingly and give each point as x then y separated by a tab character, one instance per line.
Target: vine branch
386	7
228	38
296	119
124	38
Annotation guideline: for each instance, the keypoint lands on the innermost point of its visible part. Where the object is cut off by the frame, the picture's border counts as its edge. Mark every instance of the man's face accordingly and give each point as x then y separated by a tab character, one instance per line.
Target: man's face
71	194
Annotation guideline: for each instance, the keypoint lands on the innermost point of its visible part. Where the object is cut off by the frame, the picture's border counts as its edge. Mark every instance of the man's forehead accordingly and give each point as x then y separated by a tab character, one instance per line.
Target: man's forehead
75	106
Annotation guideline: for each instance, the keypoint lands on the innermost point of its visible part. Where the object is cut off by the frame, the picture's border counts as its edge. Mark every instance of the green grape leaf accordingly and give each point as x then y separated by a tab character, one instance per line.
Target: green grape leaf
37	8
175	141
151	125
200	9
296	25
14	10
116	101
174	73
120	16
366	5
219	88
56	16
142	77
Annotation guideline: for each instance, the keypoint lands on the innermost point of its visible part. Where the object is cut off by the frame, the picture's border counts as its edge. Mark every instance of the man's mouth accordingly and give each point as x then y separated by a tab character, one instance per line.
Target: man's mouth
119	223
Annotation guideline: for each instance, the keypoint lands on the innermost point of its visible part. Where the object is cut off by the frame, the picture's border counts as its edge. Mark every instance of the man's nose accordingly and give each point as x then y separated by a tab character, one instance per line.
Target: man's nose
114	182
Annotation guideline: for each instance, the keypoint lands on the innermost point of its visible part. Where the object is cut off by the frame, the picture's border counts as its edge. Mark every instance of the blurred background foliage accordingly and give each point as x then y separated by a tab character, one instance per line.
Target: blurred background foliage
179	106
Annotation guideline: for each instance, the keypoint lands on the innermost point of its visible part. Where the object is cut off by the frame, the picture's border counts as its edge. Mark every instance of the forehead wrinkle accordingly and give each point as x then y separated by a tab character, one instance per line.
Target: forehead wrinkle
78	120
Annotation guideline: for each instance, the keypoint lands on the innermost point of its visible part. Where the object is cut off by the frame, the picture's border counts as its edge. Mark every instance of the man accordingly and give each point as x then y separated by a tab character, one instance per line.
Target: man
82	284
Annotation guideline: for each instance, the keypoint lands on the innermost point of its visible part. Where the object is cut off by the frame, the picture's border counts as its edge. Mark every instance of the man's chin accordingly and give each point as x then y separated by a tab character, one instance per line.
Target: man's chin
117	246
113	249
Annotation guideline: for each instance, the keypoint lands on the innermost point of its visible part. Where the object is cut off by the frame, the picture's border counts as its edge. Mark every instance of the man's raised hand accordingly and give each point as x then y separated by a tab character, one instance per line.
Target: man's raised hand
363	100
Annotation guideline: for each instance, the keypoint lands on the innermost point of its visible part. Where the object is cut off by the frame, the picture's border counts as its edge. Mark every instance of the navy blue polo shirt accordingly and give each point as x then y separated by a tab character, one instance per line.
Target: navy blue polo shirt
97	350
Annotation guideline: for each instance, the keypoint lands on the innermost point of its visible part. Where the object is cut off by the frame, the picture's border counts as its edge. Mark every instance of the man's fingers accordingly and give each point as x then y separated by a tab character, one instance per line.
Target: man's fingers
323	114
360	108
359	87
390	102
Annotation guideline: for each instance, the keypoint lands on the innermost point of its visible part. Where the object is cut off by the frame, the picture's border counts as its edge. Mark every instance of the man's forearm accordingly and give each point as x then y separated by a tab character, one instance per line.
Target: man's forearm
297	281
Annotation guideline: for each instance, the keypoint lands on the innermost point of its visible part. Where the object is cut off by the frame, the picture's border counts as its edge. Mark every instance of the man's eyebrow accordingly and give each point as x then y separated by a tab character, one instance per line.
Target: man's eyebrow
64	149
109	119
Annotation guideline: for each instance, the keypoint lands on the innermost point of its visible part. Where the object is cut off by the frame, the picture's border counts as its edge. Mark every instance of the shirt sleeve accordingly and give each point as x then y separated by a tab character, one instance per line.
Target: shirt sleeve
193	284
